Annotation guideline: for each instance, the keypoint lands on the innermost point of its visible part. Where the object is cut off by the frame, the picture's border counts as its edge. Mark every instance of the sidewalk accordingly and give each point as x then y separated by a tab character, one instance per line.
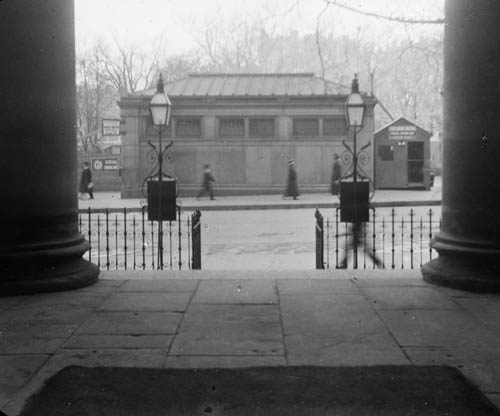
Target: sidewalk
201	319
381	198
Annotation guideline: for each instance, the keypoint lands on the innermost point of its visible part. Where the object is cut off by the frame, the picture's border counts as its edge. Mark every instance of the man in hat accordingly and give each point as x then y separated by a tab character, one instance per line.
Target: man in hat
291	183
336	175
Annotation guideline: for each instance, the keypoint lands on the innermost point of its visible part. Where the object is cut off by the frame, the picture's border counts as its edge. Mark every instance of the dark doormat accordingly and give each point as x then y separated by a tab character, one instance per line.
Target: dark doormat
339	391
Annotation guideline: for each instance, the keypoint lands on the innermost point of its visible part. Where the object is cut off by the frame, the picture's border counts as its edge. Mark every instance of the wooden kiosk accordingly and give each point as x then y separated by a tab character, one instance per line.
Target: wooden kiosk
402	156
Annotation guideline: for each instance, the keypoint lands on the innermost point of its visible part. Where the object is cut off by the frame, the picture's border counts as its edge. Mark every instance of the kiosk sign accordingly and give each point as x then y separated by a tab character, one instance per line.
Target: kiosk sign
402	132
110	127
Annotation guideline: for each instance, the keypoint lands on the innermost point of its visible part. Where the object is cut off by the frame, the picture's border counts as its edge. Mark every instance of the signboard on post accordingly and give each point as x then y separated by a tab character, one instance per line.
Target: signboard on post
110	127
354	202
105	164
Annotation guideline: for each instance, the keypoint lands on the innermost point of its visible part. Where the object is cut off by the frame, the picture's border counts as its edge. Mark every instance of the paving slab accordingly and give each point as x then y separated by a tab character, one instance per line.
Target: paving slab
480	365
336	329
438	328
331	350
131	323
316	286
407	297
137	341
139	301
165	285
229	330
238	291
9	301
485	308
391	278
223	361
322	314
16	370
57	314
33	339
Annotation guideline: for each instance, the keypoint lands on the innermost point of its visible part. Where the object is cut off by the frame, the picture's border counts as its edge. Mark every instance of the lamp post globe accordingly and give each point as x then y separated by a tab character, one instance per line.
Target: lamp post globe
355	106
160	106
355	114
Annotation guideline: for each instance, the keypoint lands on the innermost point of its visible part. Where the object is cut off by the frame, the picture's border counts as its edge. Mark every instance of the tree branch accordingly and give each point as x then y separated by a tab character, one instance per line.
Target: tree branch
379	16
319	45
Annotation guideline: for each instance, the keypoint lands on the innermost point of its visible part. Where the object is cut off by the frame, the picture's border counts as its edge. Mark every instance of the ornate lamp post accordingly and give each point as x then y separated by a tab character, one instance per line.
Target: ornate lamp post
160	108
353	195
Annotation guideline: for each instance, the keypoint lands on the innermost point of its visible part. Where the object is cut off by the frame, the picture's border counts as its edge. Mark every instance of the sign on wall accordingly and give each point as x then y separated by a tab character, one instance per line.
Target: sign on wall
106	164
110	127
402	132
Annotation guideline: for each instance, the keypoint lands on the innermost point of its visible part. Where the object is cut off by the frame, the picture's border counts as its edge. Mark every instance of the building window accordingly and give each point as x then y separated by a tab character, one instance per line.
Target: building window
386	153
231	127
335	126
187	127
305	127
261	127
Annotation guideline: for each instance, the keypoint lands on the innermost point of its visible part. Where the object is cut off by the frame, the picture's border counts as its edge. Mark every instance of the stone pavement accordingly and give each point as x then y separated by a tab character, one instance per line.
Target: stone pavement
385	197
252	318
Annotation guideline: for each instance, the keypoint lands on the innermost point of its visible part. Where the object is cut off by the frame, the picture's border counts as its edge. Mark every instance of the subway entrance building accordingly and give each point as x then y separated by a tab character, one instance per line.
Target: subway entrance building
247	127
402	156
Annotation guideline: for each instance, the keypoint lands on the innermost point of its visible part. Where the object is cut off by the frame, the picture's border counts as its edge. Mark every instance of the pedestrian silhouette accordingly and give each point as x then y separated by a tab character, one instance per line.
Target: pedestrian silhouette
356	238
207	180
336	175
291	183
86	185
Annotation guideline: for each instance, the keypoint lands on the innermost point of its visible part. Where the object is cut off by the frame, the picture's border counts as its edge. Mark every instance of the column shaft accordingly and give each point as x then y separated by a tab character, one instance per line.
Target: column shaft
40	246
469	239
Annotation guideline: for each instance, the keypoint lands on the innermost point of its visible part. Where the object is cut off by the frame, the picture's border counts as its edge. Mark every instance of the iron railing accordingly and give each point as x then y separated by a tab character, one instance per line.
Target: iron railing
122	239
391	241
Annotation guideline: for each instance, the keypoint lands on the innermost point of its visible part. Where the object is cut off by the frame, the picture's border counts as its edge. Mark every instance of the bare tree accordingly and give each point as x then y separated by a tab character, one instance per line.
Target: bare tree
128	69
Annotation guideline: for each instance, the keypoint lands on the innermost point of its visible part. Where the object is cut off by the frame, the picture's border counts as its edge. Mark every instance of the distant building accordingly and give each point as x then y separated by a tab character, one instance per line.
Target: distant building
247	126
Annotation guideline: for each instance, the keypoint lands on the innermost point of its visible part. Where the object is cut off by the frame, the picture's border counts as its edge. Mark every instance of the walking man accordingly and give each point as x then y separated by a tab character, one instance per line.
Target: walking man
86	185
291	183
207	180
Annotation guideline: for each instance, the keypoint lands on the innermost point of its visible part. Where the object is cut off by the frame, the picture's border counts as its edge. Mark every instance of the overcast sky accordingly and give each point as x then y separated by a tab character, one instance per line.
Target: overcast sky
139	22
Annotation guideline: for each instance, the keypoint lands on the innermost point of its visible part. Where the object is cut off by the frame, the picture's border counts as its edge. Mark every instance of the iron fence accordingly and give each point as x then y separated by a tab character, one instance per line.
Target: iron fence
122	239
390	242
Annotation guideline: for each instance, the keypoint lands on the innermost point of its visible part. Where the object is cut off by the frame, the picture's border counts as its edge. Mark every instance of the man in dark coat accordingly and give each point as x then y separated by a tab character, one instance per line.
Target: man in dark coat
291	186
207	180
86	185
336	175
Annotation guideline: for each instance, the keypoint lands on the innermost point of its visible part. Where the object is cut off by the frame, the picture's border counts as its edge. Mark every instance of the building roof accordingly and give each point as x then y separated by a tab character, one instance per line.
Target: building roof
399	122
255	85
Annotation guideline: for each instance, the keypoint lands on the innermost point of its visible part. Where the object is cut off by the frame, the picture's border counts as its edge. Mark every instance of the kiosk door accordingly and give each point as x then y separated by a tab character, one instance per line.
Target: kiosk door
415	163
390	169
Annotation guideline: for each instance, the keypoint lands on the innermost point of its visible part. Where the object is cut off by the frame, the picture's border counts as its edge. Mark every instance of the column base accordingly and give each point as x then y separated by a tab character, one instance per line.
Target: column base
50	266
64	275
469	275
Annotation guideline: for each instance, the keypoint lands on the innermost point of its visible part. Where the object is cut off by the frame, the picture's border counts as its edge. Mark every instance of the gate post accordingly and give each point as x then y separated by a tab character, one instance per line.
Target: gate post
320	264
196	240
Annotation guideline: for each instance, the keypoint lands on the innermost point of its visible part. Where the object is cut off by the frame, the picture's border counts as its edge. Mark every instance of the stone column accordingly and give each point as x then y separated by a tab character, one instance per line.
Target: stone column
40	246
469	240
